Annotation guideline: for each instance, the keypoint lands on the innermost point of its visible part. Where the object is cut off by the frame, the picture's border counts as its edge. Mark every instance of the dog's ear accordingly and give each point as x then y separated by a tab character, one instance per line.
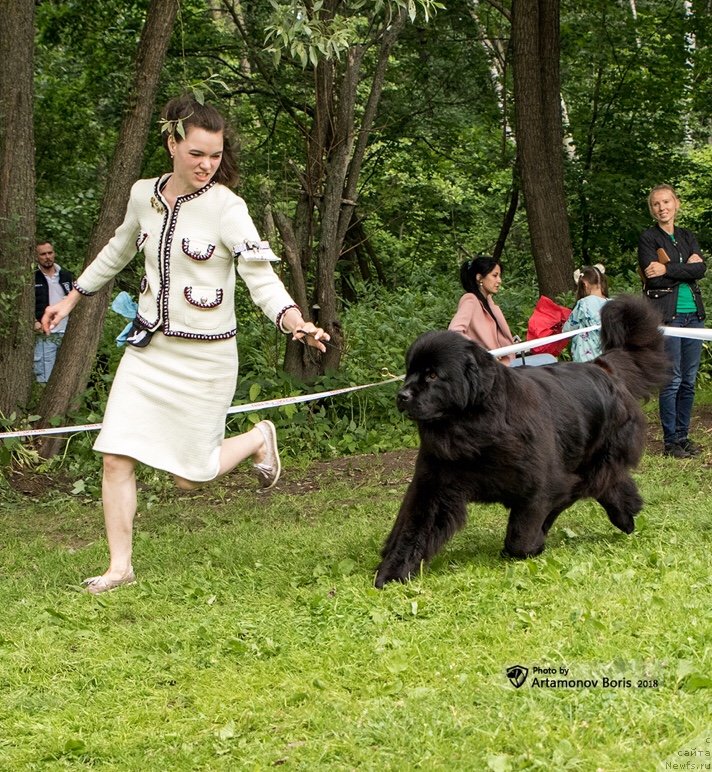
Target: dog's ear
479	372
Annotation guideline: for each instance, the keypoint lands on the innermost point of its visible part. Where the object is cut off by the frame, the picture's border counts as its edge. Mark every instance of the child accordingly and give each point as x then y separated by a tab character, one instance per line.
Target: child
591	294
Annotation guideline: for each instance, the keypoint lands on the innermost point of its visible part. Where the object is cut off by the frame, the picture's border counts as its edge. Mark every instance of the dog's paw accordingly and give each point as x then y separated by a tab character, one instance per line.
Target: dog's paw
386	575
628	526
517	553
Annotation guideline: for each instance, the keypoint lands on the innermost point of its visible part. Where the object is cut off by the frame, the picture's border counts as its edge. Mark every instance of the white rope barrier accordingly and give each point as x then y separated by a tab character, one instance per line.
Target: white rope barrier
251	407
703	334
526	345
696	333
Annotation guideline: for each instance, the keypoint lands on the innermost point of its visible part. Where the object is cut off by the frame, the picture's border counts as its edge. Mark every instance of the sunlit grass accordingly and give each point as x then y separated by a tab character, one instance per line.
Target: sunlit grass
254	637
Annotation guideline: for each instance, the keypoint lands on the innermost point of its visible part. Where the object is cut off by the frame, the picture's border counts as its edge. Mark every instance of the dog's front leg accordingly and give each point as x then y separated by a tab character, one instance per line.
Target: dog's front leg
622	502
526	529
426	520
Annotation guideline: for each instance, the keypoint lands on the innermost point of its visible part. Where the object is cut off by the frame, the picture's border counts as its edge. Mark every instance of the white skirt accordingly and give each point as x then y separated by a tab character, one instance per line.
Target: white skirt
168	405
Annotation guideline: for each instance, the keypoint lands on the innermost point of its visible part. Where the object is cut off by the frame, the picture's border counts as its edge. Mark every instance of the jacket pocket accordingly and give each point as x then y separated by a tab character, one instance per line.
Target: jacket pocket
200	310
141	240
196	249
656	294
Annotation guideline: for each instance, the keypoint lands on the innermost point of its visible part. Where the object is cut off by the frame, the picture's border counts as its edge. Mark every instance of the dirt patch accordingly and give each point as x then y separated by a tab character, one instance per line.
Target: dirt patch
388	469
34	485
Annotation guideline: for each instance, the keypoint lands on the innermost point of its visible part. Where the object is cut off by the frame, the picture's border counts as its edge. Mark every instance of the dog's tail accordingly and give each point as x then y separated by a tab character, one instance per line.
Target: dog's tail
633	347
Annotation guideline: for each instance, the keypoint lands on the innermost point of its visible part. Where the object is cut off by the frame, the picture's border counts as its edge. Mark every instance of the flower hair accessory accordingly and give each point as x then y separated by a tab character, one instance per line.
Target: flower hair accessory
578	272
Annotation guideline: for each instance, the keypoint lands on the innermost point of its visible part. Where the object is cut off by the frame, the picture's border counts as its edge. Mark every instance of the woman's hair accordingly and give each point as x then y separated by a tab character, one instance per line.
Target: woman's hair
482	265
188	112
590	276
657	189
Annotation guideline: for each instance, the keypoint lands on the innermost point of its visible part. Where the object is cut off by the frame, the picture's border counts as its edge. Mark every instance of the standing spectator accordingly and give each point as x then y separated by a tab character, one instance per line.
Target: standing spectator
52	284
671	261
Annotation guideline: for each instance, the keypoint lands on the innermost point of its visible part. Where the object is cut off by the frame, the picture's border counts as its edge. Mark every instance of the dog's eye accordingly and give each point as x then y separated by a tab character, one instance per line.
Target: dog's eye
431	375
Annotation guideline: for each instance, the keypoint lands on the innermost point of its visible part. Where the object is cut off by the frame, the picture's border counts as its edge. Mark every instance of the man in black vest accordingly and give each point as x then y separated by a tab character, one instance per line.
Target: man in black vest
52	283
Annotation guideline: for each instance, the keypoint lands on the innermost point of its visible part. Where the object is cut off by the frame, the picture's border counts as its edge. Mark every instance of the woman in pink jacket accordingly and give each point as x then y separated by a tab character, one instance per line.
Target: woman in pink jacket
479	318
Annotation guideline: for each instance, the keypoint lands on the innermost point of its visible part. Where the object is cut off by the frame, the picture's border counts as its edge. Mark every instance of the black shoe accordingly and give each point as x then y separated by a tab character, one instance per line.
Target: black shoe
675	450
691	447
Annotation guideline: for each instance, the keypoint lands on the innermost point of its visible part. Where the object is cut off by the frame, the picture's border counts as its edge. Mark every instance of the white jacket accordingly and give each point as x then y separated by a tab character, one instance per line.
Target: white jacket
189	283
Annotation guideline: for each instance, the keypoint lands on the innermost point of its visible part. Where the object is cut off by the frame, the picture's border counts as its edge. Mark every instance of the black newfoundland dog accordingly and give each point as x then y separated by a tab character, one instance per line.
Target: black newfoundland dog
536	439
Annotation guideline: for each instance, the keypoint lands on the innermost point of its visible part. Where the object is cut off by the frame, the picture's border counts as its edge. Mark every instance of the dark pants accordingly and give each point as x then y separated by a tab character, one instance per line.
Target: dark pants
677	397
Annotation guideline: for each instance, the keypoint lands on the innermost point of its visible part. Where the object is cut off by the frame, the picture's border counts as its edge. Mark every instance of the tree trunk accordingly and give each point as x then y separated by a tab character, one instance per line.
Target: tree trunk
535	37
509	215
76	355
331	241
335	145
17	203
336	150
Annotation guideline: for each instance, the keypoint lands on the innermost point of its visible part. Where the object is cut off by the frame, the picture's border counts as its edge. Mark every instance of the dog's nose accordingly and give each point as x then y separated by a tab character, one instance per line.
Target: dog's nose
403	398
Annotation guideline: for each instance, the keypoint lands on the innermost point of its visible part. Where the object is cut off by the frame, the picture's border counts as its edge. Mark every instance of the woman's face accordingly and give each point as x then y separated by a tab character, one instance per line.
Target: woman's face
195	158
490	282
663	206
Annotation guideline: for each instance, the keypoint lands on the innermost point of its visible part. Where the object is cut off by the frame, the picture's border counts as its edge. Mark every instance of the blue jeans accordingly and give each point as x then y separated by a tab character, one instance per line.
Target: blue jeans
677	397
46	347
534	360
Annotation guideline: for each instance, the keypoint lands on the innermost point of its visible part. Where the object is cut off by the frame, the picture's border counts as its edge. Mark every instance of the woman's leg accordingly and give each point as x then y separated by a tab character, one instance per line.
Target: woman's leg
119	496
236	449
667	400
233	451
690	353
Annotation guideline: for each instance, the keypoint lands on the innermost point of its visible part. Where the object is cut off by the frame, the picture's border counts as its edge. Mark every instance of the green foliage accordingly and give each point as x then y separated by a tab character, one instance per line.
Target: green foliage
435	181
695	191
308	32
628	131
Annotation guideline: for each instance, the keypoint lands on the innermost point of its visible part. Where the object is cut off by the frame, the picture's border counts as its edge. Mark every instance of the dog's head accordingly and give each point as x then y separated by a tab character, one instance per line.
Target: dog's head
446	374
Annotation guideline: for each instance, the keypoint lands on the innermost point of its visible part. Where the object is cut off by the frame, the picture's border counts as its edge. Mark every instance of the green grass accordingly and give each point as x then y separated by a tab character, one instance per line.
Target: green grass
255	639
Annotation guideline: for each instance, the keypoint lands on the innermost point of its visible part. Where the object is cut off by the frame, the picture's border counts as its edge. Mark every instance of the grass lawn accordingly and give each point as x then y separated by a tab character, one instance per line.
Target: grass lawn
254	637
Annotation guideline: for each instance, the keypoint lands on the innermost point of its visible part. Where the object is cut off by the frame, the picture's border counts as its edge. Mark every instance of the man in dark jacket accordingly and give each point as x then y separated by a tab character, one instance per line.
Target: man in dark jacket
671	261
52	283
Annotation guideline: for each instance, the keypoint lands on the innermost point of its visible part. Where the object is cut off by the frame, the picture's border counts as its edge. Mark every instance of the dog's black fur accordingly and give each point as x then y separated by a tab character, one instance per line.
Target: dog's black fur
536	439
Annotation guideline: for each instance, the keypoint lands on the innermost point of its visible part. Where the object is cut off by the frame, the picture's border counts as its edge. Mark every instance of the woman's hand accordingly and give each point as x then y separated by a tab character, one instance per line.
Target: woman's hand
654	270
311	335
53	315
305	331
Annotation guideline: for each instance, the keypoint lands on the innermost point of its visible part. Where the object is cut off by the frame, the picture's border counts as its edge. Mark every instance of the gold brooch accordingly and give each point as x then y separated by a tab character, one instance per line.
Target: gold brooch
157	205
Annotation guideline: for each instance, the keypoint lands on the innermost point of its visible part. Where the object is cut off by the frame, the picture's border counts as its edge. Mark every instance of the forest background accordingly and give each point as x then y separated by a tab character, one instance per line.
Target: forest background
380	144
